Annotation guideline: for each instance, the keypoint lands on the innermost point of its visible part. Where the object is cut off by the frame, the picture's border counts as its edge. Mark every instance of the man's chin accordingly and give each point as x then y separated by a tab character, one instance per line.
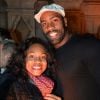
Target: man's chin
54	42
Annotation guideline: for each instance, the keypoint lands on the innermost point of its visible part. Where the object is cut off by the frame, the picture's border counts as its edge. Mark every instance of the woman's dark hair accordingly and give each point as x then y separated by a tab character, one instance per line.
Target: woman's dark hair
4	33
22	55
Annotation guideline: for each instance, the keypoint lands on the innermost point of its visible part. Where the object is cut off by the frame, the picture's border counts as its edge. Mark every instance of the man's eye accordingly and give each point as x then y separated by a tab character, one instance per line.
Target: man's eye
55	20
43	24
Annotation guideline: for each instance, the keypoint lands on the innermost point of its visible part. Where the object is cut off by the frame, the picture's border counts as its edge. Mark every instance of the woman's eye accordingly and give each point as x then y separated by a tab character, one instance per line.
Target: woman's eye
30	57
44	58
34	58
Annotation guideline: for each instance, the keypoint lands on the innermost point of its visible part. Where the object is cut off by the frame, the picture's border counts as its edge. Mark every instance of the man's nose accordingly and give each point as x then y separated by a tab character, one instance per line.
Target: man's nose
50	26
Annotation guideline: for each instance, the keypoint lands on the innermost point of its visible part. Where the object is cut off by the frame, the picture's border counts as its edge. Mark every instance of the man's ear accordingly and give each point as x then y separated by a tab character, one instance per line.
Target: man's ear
65	21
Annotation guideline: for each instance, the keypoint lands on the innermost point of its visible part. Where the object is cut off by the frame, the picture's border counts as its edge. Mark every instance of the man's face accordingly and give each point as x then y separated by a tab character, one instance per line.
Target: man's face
53	26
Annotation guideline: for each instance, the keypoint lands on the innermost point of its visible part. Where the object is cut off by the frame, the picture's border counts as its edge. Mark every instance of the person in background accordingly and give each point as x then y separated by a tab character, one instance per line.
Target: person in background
4	33
7	49
37	77
78	57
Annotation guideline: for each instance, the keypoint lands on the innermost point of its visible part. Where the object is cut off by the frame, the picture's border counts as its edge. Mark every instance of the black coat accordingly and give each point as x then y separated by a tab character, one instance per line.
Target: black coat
79	68
6	80
25	90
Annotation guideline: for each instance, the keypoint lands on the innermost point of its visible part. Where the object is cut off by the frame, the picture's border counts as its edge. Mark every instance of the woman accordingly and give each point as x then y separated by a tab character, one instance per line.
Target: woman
37	79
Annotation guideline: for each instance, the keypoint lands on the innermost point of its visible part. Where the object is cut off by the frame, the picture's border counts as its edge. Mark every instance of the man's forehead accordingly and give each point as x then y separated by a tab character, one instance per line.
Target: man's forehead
49	14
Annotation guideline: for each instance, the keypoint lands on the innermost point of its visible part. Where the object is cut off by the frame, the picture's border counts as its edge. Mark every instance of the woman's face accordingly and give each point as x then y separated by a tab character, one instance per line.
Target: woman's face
36	60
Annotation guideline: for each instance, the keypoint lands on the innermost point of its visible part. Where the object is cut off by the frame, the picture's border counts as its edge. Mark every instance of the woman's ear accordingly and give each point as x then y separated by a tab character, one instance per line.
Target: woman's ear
65	21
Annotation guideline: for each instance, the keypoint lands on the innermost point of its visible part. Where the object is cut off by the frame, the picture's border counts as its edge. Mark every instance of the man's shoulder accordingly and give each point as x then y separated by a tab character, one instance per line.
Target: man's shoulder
87	38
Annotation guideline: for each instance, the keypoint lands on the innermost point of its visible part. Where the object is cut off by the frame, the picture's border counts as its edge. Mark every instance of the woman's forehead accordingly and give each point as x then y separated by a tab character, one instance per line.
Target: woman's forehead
37	48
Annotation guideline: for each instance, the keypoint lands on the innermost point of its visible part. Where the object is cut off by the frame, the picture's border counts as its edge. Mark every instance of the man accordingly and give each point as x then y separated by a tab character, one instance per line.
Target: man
78	57
7	49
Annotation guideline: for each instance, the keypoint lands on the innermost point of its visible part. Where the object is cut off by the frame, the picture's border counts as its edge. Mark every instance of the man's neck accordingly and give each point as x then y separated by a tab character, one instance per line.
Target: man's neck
65	40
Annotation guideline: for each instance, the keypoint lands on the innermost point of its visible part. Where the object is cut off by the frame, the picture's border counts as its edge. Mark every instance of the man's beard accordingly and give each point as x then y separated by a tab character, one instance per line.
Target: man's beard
56	40
4	58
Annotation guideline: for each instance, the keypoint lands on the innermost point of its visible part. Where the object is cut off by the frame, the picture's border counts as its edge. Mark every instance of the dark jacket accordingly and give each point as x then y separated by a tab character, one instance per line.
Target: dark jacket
24	90
79	70
6	79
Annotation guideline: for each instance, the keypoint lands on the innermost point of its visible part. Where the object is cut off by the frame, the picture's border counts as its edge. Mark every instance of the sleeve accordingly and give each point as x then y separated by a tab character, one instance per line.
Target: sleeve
58	89
11	94
93	61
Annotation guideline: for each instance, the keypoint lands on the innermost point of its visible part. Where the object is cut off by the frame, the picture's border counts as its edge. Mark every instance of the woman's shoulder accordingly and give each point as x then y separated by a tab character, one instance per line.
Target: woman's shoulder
18	91
24	90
